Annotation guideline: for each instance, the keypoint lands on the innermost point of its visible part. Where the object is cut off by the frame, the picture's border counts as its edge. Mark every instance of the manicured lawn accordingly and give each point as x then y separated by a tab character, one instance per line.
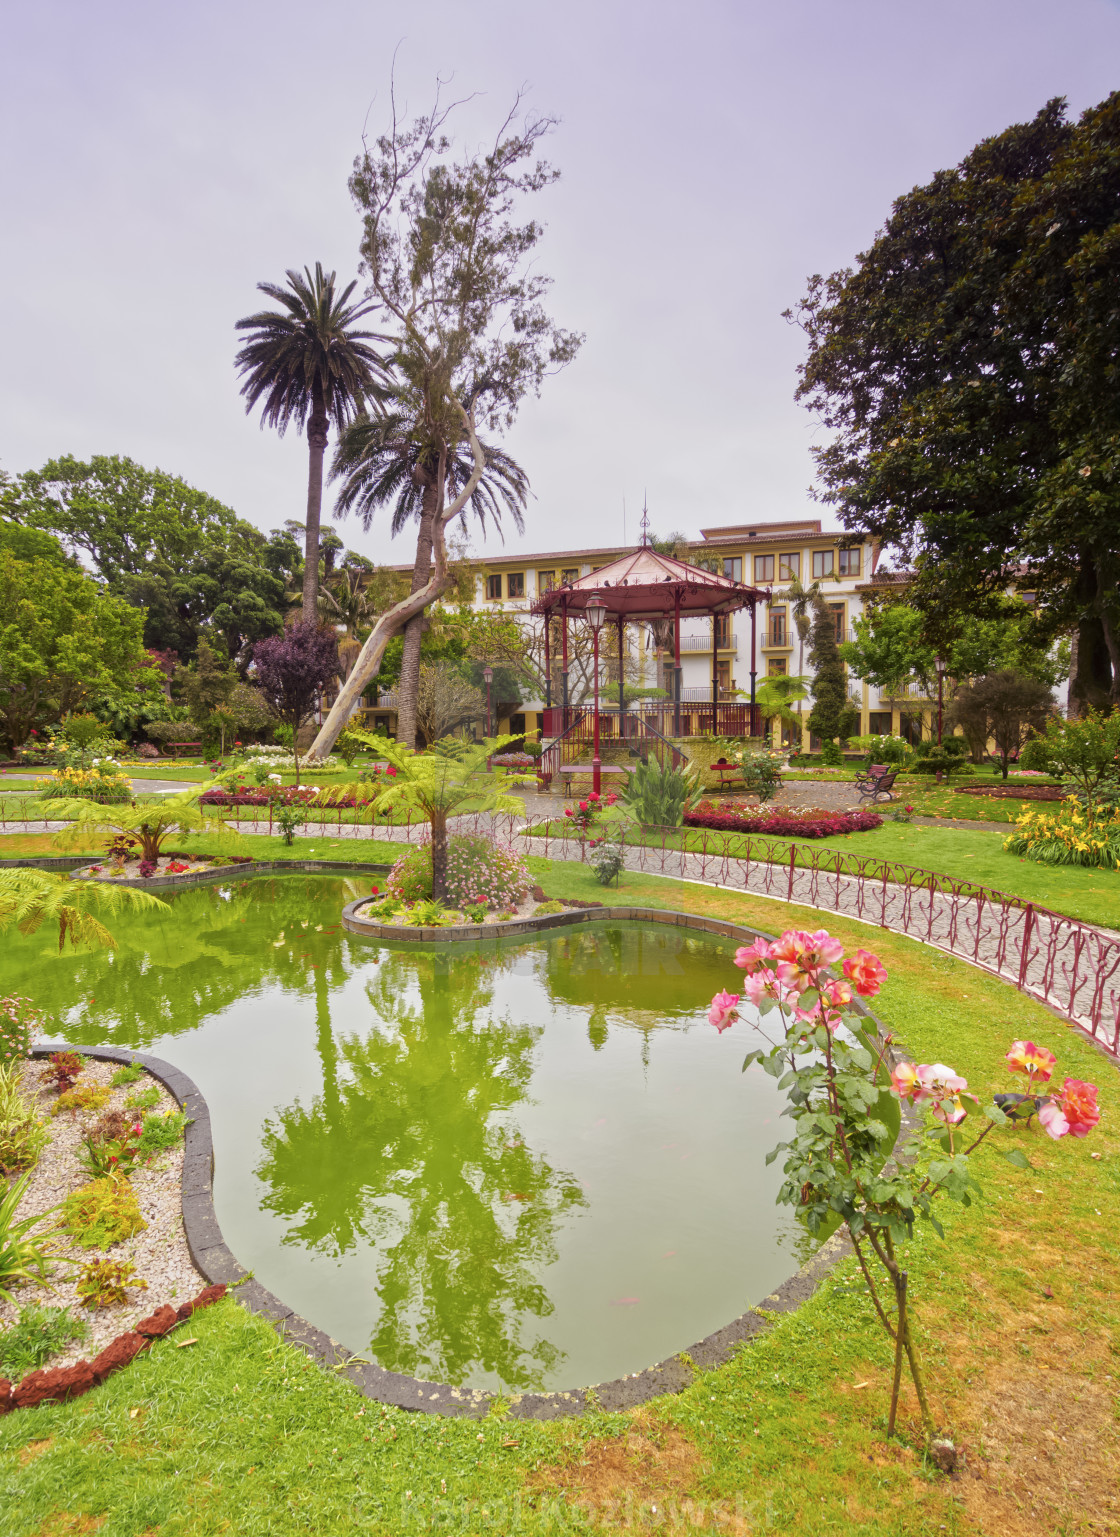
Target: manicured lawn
1019	1313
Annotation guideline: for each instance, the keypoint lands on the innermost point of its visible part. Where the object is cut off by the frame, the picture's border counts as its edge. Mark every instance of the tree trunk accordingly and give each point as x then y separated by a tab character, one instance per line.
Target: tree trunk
439	857
414	630
317	447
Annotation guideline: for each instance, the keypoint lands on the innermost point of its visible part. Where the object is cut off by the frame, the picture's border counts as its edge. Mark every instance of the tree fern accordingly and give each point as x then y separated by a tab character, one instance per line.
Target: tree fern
29	898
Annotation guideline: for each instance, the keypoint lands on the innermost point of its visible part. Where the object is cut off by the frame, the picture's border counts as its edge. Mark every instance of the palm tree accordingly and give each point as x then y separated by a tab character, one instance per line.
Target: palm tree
803	603
308	364
392	460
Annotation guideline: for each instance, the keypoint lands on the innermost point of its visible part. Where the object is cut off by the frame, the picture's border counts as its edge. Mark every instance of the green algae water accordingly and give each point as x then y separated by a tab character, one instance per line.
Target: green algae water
506	1164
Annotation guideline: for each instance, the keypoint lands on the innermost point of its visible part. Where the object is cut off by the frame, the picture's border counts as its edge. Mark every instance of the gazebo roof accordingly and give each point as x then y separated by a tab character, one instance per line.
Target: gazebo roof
647	585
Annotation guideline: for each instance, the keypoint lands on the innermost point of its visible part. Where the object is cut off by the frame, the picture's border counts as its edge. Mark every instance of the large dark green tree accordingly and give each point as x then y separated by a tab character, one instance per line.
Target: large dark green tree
183	556
308	363
451	265
833	714
968	367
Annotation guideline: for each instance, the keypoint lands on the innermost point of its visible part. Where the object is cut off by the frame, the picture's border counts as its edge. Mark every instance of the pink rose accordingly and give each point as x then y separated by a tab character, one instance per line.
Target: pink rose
865	972
1035	1061
750	958
723	1011
1074	1110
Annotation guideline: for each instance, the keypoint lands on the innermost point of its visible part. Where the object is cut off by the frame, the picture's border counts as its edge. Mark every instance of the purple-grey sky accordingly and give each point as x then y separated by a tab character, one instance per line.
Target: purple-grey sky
159	160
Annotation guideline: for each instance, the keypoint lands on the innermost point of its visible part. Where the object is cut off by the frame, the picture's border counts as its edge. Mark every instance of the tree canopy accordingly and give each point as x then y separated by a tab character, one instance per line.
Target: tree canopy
967	367
63	642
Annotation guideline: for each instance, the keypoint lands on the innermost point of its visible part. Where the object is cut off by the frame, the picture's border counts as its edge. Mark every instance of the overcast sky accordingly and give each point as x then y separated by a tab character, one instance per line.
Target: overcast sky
159	160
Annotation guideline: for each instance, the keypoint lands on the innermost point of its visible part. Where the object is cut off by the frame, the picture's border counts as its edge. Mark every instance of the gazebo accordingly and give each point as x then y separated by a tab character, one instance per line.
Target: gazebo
645	587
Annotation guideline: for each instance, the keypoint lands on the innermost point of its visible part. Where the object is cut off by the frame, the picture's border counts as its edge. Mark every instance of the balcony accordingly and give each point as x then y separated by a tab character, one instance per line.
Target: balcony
777	638
704	643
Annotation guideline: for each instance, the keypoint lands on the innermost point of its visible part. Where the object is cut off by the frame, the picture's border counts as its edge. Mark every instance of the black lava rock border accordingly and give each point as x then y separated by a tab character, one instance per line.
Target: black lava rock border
217	1262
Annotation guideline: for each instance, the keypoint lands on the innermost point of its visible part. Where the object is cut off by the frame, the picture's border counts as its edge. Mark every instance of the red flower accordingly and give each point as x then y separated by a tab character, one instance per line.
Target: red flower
865	972
1035	1061
1074	1110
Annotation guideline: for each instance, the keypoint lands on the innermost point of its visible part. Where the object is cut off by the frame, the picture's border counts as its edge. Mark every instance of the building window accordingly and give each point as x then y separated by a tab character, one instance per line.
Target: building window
723	677
879	723
777	632
776	667
569	574
849	562
823	563
789	566
764	568
733	568
493	587
546	581
515	584
723	632
837	611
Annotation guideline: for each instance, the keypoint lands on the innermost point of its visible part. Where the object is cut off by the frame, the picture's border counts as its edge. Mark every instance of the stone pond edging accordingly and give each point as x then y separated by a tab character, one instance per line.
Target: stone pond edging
78	864
217	1262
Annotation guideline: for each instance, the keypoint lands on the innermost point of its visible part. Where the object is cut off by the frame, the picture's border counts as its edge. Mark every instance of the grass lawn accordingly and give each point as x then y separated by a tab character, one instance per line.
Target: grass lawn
343	851
1091	895
1019	1312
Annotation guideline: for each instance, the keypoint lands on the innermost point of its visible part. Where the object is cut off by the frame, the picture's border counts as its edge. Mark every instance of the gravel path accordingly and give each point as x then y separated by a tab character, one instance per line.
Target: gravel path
159	1251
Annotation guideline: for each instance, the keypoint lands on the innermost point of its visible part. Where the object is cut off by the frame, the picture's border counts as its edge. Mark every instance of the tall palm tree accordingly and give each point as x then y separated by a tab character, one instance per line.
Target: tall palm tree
803	601
391	460
308	364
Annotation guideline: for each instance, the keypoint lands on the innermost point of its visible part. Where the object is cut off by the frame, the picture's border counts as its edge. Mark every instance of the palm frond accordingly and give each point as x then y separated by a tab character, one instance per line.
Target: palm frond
30	898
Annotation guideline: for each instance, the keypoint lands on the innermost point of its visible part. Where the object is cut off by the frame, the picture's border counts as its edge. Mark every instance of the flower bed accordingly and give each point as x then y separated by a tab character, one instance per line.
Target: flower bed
286	795
1016	792
167	865
786	823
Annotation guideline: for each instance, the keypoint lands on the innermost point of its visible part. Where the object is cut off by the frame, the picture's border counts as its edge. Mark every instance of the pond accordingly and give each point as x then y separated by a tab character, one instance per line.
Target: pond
506	1164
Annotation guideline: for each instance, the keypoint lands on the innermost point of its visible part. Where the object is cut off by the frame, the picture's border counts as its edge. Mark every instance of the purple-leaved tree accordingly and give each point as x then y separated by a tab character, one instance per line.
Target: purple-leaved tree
291	671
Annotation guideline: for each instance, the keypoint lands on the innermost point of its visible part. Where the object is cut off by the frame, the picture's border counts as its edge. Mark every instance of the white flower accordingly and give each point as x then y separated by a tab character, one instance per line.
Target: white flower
274	778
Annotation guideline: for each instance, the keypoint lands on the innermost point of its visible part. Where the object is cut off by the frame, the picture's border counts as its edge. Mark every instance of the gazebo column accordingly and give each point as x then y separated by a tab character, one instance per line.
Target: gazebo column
677	664
621	677
754	654
548	662
564	662
715	673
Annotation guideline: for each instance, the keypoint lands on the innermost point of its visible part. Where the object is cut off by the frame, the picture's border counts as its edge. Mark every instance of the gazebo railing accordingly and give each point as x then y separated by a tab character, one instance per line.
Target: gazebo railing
730	718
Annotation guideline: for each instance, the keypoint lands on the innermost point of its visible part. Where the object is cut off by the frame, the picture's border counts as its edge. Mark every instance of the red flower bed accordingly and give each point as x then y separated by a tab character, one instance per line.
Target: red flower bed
785	823
288	796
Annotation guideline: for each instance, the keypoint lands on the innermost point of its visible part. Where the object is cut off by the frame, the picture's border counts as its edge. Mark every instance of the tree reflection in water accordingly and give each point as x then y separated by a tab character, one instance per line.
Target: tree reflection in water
413	1148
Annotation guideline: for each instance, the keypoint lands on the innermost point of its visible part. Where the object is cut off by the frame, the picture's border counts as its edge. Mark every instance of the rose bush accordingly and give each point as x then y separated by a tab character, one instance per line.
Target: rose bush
846	1090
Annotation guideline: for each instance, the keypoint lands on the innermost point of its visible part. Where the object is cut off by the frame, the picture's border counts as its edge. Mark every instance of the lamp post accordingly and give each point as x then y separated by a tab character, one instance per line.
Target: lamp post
940	694
488	674
596	612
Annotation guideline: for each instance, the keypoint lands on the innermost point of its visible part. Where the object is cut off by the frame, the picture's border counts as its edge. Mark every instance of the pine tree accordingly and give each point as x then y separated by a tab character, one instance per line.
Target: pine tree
833	714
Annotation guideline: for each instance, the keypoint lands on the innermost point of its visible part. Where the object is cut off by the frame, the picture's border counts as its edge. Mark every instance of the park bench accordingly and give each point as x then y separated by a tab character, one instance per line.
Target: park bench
178	748
877	782
728	772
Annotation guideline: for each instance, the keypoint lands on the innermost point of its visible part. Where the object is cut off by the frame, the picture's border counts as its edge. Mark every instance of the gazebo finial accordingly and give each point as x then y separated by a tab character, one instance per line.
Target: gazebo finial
645	524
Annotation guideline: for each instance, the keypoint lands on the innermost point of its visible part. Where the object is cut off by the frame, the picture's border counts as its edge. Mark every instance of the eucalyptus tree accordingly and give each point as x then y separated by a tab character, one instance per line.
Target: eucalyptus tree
308	363
450	263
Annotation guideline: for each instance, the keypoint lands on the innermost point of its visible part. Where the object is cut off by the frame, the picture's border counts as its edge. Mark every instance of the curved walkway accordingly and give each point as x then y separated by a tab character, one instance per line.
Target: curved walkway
1071	967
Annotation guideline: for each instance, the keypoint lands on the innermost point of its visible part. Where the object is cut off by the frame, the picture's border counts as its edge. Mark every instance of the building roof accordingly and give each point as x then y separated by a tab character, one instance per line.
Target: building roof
801	529
643	584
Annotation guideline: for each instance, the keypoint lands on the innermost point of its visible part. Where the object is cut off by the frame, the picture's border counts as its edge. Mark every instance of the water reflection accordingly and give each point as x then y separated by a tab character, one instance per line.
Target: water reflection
413	1147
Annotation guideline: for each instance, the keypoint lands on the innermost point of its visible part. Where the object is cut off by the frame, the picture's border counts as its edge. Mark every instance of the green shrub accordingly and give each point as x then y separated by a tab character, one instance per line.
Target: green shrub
659	795
143	1099
606	861
37	1334
348	747
478	866
102	1213
23	1134
129	1074
159	1132
831	756
87	1096
762	774
104	1282
1069	834
545	908
933	760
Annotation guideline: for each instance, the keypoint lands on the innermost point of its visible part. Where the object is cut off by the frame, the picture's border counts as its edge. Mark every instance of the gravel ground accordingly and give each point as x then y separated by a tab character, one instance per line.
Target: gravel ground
158	1251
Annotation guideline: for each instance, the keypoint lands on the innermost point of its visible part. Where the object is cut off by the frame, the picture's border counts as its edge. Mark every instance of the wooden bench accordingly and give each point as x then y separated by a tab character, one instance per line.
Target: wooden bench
878	781
175	747
728	772
567	770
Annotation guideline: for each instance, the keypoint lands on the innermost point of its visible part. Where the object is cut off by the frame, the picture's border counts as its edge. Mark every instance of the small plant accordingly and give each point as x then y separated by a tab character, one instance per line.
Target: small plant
23	1134
143	1099
902	814
348	747
831	756
37	1334
62	1070
659	795
102	1213
19	1020
585	813
289	819
121	846
544	909
126	1075
762	773
112	1147
426	915
1069	834
148	868
24	1255
104	1282
159	1132
475	911
606	860
87	1096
